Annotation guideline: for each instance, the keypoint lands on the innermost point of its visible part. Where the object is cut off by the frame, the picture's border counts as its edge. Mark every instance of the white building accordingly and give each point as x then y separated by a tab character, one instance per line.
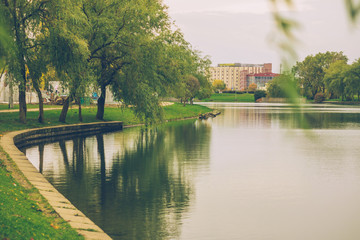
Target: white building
235	75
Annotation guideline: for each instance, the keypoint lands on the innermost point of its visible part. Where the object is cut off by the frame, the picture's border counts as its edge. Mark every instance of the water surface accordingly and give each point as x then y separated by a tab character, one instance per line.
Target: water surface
257	171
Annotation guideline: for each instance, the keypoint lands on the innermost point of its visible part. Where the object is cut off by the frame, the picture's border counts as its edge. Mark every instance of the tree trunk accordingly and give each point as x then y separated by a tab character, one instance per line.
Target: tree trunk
22	94
64	153
41	160
22	103
101	151
101	104
41	103
11	97
192	102
64	110
19	40
80	115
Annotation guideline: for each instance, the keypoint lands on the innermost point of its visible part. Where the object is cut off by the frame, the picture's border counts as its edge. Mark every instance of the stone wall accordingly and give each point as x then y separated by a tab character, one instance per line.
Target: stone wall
52	133
11	141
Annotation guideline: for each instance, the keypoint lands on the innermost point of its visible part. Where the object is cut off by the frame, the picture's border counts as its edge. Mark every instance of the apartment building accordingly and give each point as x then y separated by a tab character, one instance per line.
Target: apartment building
260	79
235	75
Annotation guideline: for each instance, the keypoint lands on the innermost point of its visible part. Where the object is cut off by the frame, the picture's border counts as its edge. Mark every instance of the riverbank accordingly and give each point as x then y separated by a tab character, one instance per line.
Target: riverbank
24	213
229	97
9	121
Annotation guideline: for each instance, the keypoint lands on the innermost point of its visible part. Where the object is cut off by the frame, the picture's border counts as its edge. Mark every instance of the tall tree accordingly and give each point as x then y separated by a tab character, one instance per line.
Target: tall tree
219	85
283	86
352	80
192	87
69	54
310	72
135	53
335	78
31	23
117	31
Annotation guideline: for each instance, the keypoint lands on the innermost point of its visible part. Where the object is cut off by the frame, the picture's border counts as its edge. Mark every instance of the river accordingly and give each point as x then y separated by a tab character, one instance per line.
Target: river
257	171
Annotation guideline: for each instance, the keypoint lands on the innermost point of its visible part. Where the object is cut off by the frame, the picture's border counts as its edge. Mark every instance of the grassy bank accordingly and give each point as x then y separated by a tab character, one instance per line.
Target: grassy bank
24	214
10	121
4	106
230	97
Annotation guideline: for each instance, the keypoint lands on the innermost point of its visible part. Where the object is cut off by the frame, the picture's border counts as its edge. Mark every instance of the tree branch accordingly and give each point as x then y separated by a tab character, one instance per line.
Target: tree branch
35	11
114	38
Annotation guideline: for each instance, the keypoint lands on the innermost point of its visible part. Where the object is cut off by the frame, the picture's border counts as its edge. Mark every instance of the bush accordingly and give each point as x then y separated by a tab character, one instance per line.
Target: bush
259	94
319	98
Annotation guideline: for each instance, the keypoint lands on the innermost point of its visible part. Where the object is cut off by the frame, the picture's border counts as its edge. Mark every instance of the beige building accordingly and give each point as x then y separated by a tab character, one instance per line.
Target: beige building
235	75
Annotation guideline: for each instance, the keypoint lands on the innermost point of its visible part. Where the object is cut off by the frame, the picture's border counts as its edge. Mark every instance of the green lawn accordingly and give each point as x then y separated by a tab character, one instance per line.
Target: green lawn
230	97
4	106
10	121
21	216
24	214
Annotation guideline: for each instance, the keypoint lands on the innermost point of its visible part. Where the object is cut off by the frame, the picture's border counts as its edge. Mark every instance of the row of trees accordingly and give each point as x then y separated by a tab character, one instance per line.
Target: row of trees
327	74
219	85
129	47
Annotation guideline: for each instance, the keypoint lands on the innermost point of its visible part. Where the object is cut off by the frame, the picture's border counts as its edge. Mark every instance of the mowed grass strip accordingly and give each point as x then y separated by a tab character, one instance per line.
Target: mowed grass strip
230	97
5	106
24	214
10	121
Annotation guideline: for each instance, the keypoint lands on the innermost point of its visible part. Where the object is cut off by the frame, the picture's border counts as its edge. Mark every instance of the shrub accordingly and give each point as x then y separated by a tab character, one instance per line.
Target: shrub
319	98
259	94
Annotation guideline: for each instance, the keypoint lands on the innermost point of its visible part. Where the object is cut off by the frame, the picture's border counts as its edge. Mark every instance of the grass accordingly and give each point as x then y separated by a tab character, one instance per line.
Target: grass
24	214
230	97
10	121
5	106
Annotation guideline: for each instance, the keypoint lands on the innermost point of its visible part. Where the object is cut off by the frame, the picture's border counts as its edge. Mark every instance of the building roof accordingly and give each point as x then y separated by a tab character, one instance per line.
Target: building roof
264	74
241	65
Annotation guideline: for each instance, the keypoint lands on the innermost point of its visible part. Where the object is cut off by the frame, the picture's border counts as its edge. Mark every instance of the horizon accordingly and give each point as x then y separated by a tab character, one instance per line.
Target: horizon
243	31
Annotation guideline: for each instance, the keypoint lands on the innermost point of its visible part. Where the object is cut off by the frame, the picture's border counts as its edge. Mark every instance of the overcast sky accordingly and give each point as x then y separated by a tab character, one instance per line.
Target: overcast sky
240	30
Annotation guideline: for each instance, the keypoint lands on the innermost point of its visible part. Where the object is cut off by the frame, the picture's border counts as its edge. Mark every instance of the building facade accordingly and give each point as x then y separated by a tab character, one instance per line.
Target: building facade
260	79
238	76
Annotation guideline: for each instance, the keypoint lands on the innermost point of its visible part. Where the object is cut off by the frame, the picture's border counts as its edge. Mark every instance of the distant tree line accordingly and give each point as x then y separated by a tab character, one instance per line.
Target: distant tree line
130	47
324	75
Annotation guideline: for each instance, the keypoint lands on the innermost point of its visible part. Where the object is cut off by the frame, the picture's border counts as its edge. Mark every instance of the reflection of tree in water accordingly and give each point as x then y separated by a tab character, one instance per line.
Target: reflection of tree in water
318	120
285	116
145	192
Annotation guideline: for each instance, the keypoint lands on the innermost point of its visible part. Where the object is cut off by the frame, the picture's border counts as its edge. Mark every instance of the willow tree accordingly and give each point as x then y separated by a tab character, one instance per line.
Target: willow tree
352	79
68	51
70	61
118	31
311	71
4	38
30	24
335	77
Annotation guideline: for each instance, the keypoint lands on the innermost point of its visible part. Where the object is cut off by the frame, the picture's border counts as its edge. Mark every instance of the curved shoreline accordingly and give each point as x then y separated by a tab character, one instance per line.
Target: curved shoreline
65	209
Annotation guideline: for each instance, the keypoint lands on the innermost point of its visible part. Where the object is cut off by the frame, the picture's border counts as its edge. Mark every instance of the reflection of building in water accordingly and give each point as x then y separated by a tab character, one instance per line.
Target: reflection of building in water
245	117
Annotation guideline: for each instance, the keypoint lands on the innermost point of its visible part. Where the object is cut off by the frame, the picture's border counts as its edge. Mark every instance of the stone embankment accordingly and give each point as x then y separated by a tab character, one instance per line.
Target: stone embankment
10	143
